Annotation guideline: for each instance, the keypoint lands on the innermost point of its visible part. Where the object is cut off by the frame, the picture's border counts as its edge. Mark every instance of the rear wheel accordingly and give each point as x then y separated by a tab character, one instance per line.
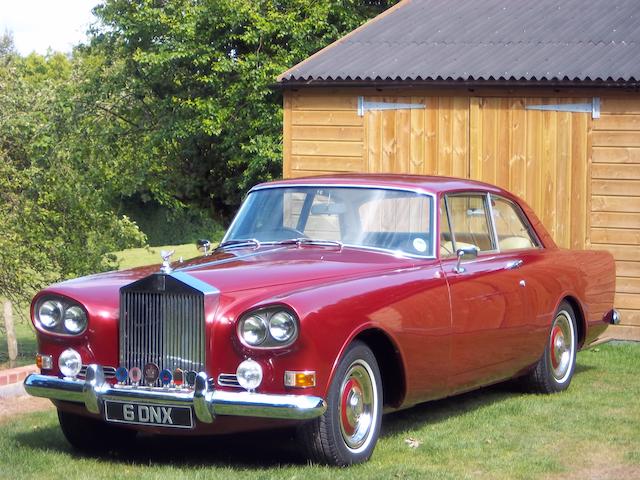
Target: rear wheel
92	435
554	370
348	431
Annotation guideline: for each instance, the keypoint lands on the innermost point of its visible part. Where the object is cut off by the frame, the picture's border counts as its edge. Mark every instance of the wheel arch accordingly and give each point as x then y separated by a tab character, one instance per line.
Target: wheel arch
581	323
390	364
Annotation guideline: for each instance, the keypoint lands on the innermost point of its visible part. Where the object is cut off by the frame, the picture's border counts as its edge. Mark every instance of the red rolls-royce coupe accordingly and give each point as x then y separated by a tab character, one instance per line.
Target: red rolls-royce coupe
329	300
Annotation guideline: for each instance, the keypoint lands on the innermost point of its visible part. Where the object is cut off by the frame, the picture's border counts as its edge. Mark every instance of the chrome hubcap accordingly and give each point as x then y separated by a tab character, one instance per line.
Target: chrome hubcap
561	346
357	405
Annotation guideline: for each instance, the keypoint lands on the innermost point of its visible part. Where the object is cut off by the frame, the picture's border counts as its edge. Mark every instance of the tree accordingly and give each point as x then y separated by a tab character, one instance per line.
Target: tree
187	87
56	220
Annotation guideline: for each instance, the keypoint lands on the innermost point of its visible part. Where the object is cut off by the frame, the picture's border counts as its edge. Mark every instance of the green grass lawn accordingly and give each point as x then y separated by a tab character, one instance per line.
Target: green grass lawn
590	431
133	257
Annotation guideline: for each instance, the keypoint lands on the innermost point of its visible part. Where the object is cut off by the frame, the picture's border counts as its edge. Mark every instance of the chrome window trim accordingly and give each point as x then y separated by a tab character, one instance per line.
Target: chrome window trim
453	237
395	253
525	221
496	244
475	193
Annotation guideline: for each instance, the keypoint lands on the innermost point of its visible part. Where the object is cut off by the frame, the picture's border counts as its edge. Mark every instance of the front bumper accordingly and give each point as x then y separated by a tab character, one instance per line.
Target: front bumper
205	401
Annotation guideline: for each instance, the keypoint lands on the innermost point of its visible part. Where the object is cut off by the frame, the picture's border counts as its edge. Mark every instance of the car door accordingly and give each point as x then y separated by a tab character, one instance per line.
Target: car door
487	297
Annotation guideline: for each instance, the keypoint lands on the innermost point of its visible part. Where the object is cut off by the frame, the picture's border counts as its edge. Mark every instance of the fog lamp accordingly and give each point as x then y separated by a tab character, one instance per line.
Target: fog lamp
249	375
70	363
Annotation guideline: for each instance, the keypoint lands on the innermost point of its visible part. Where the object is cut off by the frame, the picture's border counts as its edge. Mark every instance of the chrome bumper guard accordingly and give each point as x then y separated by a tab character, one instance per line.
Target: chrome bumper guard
205	401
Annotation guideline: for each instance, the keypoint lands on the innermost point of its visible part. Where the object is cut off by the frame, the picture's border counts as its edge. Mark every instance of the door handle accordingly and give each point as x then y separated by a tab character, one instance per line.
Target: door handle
513	264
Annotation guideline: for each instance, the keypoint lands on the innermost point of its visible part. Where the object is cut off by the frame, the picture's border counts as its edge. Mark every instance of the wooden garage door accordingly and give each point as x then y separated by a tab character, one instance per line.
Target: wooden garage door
541	156
615	204
433	140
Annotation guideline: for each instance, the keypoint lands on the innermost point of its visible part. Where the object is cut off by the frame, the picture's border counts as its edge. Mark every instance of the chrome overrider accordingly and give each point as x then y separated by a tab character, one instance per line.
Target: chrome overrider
205	400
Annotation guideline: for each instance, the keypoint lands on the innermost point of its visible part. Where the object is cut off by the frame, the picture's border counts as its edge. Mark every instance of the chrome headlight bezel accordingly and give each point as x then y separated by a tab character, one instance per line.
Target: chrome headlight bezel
264	315
60	327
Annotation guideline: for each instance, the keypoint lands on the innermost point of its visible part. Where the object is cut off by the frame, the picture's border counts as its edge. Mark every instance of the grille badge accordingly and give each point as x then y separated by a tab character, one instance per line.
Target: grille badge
135	375
122	374
151	373
166	377
190	378
177	377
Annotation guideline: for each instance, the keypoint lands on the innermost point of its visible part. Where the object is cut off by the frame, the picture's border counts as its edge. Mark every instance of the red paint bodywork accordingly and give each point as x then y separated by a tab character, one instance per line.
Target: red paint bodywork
451	332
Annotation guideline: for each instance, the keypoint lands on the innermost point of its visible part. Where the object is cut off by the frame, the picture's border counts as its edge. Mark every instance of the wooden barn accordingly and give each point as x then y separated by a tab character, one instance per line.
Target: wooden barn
541	98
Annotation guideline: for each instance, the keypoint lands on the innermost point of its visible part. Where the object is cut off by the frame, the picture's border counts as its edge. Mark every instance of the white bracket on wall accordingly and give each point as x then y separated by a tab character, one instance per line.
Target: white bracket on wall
364	105
593	108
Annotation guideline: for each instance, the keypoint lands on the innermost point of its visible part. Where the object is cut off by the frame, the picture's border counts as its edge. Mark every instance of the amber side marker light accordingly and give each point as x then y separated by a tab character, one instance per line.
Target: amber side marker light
44	362
303	379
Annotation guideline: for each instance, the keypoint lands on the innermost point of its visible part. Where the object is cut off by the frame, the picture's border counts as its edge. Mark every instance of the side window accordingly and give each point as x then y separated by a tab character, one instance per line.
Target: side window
470	221
513	230
397	221
446	240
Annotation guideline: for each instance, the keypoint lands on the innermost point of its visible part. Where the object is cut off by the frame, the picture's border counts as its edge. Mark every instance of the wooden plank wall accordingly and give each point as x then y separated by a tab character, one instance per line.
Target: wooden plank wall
429	141
615	201
541	156
322	135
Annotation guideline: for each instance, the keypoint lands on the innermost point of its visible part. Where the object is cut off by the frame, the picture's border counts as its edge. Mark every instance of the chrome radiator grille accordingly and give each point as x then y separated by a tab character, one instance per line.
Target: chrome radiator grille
165	328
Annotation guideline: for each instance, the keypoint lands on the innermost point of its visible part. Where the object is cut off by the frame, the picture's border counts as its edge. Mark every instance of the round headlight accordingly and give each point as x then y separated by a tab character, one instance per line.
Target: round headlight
50	313
282	326
249	374
75	320
70	363
254	330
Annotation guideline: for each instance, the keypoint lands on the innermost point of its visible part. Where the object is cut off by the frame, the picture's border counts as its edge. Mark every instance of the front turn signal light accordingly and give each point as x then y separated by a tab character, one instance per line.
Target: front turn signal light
303	379
44	362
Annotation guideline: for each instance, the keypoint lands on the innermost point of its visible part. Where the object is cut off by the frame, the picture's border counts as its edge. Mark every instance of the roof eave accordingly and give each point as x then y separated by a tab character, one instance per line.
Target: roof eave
461	83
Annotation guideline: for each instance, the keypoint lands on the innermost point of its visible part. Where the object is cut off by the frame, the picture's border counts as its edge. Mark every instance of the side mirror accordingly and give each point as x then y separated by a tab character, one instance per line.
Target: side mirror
468	253
204	246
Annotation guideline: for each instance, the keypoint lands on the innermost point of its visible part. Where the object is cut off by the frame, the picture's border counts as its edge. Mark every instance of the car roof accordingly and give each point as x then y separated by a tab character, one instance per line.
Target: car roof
427	184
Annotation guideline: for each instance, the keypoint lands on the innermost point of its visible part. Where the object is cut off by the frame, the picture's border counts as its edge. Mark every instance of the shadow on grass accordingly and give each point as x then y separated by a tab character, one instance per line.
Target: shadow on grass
267	449
249	450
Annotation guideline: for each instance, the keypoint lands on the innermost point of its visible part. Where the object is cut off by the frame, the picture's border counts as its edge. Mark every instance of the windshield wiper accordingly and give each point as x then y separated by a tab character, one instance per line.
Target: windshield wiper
246	242
310	241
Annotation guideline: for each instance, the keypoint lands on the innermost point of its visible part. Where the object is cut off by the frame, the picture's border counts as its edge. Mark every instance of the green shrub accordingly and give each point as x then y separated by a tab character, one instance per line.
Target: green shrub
164	226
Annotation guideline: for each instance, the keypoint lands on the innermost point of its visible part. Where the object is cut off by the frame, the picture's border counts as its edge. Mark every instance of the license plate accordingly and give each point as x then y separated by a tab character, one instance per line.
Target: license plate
148	414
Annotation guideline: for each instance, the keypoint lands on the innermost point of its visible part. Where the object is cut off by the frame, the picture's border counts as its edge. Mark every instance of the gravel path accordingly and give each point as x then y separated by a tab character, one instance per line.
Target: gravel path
11	407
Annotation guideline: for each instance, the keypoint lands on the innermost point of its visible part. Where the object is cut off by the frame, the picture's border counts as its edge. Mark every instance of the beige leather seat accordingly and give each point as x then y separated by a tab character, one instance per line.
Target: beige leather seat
514	243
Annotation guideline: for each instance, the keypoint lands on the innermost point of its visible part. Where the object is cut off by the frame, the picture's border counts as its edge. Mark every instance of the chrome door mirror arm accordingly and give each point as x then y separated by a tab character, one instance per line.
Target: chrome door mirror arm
469	253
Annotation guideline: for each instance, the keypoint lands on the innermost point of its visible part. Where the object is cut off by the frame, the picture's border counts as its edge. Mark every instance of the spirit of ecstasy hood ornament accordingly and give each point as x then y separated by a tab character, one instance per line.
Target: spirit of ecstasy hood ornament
166	261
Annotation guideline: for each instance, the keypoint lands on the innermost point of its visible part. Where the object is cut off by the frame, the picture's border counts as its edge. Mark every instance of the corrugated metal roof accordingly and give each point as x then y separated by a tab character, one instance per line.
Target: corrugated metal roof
485	40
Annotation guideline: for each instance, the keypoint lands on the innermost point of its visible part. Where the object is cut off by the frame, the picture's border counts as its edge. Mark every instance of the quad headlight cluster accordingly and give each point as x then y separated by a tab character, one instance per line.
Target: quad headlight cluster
60	315
268	328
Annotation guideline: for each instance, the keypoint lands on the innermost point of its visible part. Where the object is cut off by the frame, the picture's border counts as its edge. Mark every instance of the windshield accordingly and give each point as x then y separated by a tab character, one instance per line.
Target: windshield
394	220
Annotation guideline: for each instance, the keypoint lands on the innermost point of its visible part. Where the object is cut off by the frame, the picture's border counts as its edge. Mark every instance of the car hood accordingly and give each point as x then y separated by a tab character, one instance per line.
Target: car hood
243	269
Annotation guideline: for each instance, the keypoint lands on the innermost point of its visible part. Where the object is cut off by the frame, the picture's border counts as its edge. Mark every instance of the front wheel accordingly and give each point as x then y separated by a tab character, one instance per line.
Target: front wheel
348	431
554	370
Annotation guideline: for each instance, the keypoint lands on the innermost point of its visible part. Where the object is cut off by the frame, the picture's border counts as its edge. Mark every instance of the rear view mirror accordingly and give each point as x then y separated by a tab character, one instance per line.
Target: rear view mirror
468	253
204	246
